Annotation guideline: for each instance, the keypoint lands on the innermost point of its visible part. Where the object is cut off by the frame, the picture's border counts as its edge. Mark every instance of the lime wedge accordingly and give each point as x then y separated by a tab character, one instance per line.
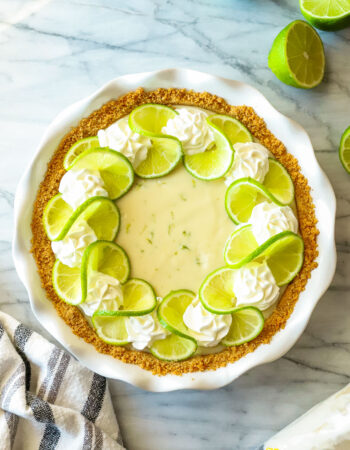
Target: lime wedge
139	299
216	292
162	158
149	119
243	194
78	148
171	310
173	348
297	57
247	324
114	168
283	253
279	183
344	150
100	213
232	128
214	162
328	15
67	283
111	329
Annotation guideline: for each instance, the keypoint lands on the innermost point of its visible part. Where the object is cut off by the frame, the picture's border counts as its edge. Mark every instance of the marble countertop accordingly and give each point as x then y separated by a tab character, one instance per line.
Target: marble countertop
55	52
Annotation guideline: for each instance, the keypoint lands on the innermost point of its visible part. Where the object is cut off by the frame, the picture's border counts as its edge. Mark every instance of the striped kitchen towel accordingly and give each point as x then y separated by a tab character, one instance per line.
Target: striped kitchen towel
47	399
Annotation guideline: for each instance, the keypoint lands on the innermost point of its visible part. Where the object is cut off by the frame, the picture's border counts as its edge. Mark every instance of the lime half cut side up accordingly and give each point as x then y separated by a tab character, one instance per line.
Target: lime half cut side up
344	149
173	348
328	15
232	128
247	324
171	310
297	56
111	329
78	148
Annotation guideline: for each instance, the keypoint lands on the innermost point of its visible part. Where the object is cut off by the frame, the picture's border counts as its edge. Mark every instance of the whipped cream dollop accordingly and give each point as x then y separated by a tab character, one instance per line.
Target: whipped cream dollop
268	219
191	128
251	160
326	426
254	285
144	330
207	328
77	186
71	248
104	293
121	138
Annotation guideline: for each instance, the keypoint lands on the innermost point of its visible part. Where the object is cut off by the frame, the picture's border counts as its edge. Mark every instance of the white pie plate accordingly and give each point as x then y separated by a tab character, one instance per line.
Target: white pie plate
236	93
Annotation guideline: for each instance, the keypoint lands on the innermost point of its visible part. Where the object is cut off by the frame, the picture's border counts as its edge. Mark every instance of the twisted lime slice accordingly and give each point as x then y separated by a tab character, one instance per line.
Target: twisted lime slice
78	148
344	150
283	253
216	292
171	310
114	168
243	194
100	213
297	57
139	299
232	128
67	283
247	324
215	161
328	15
173	348
111	329
150	118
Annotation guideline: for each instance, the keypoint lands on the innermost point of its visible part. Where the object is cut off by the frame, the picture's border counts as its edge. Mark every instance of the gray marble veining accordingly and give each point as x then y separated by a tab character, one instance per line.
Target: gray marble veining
55	52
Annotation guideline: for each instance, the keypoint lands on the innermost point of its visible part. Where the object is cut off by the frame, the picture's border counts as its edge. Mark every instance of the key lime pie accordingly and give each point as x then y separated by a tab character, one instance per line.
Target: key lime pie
174	231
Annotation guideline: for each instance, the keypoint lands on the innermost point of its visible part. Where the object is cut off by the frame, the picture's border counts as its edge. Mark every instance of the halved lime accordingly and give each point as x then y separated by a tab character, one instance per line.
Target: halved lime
162	157
328	15
114	168
214	162
104	257
139	299
240	246
100	213
67	283
247	324
171	310
173	348
78	148
344	149
279	183
232	128
149	119
111	329
297	57
241	197
216	292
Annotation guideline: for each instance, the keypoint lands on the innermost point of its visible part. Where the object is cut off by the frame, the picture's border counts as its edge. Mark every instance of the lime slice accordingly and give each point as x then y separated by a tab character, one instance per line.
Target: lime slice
328	15
67	283
149	119
243	194
214	162
111	329
104	257
78	148
162	158
344	150
171	310
100	213
279	183
232	128
297	57
139	299
114	168
284	252
216	292
173	348
247	324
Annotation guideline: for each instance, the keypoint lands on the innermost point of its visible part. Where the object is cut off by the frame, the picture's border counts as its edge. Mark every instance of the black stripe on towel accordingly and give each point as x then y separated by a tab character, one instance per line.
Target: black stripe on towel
1	330
20	337
57	381
12	423
93	404
43	413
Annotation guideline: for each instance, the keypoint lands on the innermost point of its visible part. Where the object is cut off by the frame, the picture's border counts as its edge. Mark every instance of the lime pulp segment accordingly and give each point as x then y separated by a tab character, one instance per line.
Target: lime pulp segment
78	148
328	15
173	348
247	324
344	149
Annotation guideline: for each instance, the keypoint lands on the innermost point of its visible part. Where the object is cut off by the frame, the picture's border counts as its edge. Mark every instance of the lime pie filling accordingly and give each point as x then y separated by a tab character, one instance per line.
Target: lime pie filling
174	230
